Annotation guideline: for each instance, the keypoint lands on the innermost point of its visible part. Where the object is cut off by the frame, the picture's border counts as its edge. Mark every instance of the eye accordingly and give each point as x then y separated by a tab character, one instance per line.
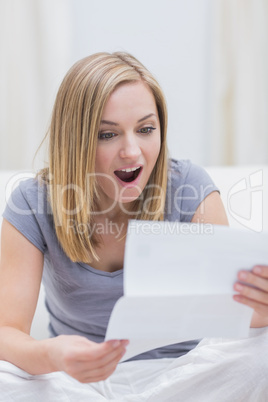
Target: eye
106	136
146	130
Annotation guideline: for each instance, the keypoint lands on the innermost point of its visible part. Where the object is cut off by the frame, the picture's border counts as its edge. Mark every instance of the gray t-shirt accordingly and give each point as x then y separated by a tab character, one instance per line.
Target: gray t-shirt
79	298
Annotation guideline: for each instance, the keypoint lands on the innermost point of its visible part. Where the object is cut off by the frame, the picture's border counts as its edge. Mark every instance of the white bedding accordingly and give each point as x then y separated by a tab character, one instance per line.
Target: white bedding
216	370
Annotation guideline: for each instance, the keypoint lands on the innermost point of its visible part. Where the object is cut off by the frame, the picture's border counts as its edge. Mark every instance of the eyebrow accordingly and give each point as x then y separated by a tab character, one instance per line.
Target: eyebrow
116	124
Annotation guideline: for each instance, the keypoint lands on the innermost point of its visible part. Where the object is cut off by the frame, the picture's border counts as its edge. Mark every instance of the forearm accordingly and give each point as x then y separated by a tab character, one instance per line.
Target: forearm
25	352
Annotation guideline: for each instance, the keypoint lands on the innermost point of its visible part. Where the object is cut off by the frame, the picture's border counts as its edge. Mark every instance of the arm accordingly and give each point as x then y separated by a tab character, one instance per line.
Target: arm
21	268
211	210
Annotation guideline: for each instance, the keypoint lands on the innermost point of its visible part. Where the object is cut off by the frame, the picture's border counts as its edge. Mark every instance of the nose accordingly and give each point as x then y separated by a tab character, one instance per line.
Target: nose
130	148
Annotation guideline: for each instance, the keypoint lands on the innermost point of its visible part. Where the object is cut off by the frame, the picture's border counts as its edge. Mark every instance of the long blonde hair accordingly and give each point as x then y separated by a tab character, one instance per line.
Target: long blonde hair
73	136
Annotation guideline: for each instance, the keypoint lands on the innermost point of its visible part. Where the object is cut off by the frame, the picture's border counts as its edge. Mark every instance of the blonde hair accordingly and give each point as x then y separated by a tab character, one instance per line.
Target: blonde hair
72	148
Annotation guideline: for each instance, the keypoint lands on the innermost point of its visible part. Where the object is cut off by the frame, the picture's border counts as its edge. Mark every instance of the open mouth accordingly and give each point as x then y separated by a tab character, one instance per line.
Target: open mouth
128	175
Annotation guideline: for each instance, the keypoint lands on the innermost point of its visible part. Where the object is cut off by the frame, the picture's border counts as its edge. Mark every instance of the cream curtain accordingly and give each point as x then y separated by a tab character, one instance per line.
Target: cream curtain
35	52
239	92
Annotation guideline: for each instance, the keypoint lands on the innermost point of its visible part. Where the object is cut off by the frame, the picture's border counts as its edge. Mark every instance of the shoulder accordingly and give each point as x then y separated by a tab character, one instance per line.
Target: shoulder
185	172
188	185
27	209
28	195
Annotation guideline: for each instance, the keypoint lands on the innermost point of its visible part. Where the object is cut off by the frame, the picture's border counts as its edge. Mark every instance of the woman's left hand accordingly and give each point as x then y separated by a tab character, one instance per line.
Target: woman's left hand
254	293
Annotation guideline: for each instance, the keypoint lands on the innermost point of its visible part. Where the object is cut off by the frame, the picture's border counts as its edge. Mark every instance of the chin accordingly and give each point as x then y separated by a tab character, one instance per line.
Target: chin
128	195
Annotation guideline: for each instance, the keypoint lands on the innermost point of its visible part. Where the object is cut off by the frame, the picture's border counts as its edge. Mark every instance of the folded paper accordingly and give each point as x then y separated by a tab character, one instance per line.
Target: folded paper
178	283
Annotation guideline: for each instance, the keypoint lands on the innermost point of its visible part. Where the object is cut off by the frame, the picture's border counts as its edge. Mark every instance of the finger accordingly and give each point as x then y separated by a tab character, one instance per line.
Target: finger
261	270
86	371
116	355
91	379
112	357
253	279
99	373
259	308
103	349
115	342
252	293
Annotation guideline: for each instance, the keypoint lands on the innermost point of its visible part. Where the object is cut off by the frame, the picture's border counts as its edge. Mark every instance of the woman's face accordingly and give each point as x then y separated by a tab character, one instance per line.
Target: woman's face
128	143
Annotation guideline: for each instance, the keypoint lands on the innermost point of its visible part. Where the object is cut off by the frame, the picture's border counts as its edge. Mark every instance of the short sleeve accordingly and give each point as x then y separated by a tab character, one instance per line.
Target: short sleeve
23	212
188	186
198	185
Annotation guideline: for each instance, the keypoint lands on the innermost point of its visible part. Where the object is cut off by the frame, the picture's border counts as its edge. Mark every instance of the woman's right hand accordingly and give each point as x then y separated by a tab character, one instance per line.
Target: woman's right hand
21	268
84	360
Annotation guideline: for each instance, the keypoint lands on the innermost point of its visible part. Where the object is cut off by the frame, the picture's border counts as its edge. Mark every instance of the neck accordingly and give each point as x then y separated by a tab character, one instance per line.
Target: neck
114	211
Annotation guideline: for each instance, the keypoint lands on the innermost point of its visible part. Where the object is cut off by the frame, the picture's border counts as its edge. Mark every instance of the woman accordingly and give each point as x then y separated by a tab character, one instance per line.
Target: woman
108	163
